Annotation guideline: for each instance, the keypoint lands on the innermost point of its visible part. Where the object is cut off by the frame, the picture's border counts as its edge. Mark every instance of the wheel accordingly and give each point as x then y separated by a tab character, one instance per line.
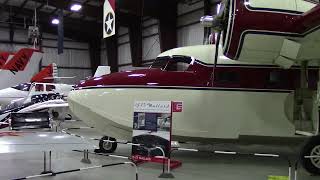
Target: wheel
107	147
55	114
311	148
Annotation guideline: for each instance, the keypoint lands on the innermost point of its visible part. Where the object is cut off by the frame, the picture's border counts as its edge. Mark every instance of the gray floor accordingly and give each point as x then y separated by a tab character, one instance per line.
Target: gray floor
202	166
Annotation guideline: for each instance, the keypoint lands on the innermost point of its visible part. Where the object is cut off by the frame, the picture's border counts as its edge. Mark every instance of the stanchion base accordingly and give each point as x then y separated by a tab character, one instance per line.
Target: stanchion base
166	175
86	161
47	172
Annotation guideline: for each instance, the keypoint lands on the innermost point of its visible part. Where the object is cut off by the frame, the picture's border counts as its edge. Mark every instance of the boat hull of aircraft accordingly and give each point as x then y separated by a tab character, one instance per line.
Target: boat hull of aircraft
238	113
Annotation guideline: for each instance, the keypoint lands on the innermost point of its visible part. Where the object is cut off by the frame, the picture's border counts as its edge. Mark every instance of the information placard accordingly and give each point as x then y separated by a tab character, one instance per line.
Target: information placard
152	128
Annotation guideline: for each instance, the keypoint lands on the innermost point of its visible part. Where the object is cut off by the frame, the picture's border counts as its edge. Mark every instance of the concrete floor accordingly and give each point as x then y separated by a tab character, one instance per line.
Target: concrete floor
202	166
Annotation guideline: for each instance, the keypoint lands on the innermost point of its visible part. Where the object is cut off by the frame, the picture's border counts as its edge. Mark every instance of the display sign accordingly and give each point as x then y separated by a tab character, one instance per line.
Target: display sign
152	128
109	18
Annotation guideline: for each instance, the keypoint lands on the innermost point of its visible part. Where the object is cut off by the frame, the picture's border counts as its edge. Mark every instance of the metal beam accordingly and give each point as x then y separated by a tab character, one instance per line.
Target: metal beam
11	32
112	51
71	24
167	26
21	7
88	10
94	51
135	35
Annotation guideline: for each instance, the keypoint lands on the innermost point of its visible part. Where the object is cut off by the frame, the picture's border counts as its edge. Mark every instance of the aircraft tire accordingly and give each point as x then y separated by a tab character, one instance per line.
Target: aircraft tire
311	148
55	114
107	147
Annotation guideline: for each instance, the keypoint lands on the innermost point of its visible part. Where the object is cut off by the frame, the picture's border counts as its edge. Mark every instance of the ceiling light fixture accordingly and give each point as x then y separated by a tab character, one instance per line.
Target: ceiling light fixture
76	7
55	21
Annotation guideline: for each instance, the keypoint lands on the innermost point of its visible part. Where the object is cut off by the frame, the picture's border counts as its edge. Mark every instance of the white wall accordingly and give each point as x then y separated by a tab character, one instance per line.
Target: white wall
124	52
151	41
75	61
189	30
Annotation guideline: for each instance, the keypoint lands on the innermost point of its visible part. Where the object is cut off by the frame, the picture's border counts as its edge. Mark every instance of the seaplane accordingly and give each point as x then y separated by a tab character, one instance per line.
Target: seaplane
259	83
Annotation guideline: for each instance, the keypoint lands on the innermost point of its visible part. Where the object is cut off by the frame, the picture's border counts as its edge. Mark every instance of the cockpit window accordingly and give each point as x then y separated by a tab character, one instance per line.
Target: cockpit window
175	63
22	87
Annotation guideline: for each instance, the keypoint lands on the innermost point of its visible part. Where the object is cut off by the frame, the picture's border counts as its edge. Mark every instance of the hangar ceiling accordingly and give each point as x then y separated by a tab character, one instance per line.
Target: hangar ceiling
85	24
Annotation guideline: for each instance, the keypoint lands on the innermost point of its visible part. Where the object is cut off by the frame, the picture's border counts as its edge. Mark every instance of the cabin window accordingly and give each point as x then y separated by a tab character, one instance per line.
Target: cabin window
177	66
159	63
39	87
227	77
22	87
50	87
274	77
175	63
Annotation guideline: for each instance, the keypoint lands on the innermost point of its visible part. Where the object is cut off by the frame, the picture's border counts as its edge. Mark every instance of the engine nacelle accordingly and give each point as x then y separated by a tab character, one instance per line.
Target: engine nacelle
272	31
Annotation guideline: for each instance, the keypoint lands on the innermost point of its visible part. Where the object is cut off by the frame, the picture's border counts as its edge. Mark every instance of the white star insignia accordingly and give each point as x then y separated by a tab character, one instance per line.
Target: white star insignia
109	22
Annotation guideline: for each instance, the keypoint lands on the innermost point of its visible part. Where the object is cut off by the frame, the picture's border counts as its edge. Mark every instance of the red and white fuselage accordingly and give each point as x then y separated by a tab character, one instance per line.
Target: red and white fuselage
254	85
245	99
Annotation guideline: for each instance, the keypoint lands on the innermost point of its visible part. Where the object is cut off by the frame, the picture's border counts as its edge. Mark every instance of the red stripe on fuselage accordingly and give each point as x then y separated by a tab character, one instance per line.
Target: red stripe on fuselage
228	76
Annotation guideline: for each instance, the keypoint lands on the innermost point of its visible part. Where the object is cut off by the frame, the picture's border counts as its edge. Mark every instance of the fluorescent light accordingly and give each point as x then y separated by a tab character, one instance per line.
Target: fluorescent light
55	21
76	7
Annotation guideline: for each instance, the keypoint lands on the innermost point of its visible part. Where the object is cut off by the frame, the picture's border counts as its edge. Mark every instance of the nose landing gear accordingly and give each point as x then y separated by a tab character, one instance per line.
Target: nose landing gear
105	146
310	155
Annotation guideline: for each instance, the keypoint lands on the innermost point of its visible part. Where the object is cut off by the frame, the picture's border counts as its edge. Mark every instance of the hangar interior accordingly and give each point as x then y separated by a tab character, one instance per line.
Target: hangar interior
83	32
161	60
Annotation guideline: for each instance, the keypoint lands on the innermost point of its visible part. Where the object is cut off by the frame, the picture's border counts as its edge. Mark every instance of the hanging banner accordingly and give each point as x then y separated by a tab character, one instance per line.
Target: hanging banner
109	18
60	32
152	128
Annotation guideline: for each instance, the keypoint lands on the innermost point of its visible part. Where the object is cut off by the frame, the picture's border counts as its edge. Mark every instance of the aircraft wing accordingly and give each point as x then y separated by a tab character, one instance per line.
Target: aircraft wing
45	105
15	142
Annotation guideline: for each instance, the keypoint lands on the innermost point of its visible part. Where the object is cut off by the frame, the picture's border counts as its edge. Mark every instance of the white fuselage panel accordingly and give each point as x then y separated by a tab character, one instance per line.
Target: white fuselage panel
206	113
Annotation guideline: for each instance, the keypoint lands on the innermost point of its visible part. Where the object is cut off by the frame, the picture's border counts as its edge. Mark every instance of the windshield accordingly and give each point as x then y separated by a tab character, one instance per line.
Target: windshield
175	63
22	87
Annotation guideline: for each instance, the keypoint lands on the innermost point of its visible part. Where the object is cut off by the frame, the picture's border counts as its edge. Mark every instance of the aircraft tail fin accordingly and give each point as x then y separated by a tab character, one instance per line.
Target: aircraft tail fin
46	75
102	70
20	59
3	58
